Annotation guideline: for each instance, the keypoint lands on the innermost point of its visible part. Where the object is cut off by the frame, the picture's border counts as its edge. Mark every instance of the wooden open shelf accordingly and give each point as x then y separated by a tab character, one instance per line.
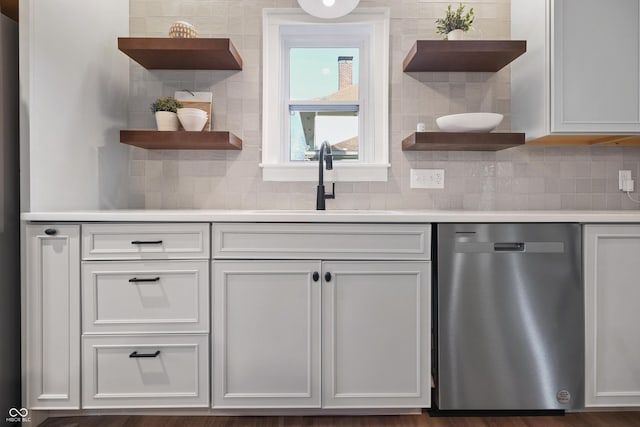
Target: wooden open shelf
10	8
181	140
158	53
462	55
461	141
587	139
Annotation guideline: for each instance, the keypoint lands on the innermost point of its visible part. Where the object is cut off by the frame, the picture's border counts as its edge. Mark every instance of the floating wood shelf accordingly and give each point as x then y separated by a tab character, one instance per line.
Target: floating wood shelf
461	141
462	55
588	139
157	53
10	8
181	140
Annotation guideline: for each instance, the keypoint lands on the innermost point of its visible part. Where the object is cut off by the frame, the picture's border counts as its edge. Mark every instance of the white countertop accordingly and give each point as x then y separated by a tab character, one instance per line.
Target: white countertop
391	216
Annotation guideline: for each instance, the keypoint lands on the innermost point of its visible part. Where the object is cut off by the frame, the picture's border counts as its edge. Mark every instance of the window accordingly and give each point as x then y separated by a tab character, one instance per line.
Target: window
323	101
325	81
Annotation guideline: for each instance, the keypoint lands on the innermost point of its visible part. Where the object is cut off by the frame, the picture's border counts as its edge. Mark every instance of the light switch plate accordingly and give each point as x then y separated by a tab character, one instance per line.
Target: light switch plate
427	178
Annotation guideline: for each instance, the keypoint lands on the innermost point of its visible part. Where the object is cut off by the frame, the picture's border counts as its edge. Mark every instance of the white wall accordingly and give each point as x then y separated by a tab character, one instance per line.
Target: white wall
74	97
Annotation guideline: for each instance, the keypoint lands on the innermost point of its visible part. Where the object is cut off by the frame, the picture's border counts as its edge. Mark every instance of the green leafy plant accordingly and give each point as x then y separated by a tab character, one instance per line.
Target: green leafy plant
166	104
455	20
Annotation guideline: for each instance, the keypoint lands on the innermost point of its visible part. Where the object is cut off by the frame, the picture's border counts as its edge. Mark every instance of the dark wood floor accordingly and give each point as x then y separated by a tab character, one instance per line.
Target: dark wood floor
583	419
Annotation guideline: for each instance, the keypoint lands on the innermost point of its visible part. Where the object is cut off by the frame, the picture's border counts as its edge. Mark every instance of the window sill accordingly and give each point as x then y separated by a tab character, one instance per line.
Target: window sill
342	172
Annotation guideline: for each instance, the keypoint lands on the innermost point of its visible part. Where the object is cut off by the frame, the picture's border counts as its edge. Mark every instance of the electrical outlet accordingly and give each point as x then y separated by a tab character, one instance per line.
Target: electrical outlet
427	178
623	177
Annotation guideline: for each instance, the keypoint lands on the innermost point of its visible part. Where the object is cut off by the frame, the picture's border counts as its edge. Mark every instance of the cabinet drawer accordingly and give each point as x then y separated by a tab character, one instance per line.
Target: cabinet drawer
322	241
145	241
145	296
145	371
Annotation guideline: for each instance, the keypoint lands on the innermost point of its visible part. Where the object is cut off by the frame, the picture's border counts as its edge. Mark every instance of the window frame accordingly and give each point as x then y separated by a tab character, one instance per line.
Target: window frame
284	28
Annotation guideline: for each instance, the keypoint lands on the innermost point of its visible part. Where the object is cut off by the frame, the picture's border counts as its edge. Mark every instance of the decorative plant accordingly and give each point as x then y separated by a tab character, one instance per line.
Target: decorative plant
455	20
166	104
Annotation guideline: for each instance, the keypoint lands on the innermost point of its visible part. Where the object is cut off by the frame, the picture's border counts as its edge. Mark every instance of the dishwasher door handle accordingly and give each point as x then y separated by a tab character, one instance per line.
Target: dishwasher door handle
509	247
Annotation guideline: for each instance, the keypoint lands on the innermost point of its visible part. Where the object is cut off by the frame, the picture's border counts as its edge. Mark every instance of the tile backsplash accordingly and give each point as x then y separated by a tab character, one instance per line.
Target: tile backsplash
532	177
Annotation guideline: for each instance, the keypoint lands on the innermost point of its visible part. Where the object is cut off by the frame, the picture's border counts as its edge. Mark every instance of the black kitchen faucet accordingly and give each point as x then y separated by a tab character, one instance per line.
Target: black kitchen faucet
324	155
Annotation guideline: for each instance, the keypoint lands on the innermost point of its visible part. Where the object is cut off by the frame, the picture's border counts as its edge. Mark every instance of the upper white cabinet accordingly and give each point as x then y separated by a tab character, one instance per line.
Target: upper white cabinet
52	321
612	292
595	75
581	72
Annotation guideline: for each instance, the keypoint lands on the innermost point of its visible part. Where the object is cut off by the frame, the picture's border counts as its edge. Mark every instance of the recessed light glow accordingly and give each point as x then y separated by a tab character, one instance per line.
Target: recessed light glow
328	3
325	71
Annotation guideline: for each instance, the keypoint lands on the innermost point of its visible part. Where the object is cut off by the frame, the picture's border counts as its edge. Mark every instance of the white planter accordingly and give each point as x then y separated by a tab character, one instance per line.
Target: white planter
166	120
455	35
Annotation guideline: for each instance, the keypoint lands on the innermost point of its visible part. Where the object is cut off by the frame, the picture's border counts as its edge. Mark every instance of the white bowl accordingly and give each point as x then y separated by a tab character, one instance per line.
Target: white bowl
192	123
192	112
469	122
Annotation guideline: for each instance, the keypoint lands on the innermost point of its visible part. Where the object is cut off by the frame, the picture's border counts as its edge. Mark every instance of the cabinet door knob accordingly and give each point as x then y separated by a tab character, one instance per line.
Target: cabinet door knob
50	231
327	276
316	276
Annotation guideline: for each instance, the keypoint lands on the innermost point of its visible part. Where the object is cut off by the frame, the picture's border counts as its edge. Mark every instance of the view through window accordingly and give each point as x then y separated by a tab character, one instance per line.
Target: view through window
324	102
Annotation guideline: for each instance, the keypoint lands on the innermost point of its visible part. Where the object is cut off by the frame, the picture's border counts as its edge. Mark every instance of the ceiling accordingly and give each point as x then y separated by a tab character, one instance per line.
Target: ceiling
10	8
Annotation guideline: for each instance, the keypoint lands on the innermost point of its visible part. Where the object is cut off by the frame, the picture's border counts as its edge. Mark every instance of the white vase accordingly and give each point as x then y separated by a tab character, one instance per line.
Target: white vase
166	120
455	35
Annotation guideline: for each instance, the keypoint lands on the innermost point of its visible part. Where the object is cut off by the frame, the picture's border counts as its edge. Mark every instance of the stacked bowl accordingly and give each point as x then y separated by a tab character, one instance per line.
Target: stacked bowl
192	119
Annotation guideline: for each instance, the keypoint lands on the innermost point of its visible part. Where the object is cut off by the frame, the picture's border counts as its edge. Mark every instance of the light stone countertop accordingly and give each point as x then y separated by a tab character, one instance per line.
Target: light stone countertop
367	216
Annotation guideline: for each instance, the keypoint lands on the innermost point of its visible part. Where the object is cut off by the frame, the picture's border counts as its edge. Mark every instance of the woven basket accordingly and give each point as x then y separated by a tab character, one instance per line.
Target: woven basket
182	30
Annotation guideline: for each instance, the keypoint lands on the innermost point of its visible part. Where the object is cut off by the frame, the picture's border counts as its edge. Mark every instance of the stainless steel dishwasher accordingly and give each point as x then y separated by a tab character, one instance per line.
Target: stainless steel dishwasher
509	318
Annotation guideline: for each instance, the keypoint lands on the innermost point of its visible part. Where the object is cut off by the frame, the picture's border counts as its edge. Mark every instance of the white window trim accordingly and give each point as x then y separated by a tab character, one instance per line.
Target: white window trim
275	164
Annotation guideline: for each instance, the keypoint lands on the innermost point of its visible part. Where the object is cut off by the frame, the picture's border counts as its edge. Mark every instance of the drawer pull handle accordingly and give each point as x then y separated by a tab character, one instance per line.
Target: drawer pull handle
146	242
137	280
136	354
50	231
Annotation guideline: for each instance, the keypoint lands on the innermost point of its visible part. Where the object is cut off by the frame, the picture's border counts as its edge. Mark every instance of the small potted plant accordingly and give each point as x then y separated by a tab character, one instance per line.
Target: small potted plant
166	110
455	23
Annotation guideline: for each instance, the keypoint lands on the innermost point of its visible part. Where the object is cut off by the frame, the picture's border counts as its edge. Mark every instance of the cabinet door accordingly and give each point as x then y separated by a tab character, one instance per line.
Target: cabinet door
612	293
53	316
376	334
266	334
594	80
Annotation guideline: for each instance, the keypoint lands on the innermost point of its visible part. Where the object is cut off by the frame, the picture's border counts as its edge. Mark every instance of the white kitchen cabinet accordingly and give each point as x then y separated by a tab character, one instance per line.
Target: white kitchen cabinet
145	371
266	334
52	317
612	292
145	241
370	284
145	312
376	331
580	73
594	75
145	296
